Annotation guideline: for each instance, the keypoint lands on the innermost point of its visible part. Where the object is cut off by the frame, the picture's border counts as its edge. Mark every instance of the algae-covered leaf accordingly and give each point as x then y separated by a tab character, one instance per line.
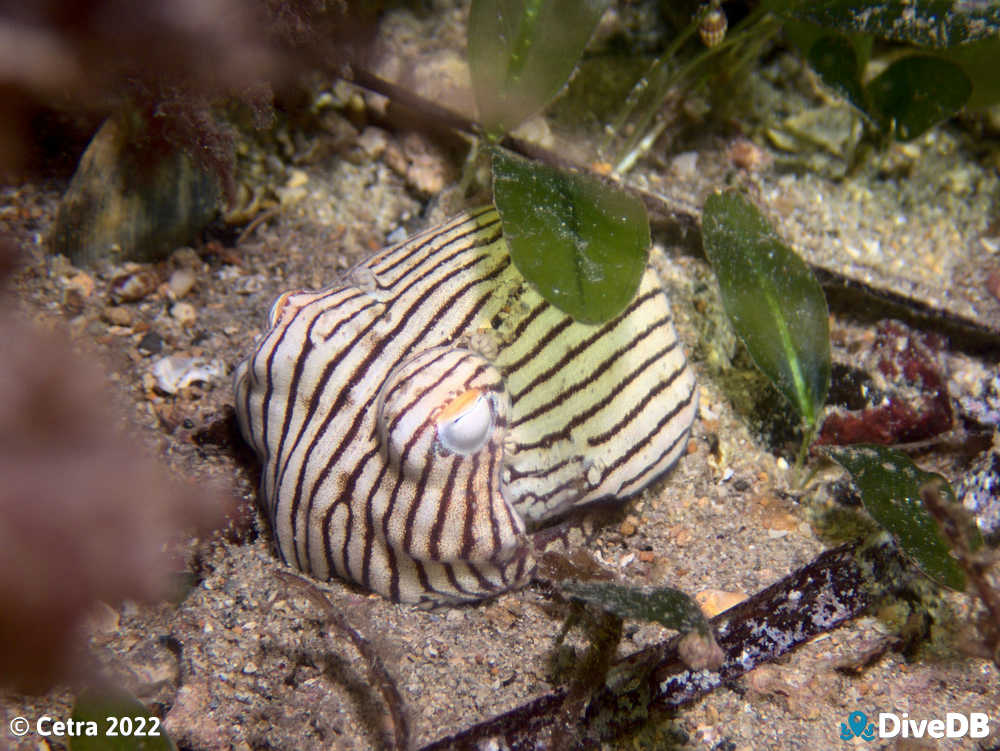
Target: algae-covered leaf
775	303
930	23
890	486
122	723
917	92
522	52
581	242
664	605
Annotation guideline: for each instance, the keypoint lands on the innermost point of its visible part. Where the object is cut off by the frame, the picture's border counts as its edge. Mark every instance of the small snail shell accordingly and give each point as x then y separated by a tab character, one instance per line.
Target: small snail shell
712	28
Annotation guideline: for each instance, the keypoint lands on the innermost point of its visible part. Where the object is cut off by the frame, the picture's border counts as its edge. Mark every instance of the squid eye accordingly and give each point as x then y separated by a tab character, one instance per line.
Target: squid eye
466	422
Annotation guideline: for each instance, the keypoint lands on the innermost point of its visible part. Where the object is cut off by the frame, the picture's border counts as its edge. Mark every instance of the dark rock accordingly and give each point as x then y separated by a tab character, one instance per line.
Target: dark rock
132	198
150	344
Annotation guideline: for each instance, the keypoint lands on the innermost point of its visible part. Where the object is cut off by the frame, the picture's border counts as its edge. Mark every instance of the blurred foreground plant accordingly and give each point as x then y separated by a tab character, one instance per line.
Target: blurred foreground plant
85	516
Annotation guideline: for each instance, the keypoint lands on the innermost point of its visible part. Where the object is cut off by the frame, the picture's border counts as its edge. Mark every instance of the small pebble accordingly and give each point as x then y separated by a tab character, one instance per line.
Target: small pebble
747	155
184	313
294	190
630	526
250	285
297	178
427	169
993	283
180	283
186	258
372	142
685	165
395	159
81	283
680	536
73	301
779	521
117	315
150	344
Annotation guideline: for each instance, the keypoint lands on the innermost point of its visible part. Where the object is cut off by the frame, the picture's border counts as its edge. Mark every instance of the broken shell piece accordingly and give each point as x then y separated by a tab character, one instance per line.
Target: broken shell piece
715	601
176	372
132	285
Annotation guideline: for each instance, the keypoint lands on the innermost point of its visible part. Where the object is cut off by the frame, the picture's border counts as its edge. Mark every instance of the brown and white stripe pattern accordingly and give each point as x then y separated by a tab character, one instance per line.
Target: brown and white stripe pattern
412	419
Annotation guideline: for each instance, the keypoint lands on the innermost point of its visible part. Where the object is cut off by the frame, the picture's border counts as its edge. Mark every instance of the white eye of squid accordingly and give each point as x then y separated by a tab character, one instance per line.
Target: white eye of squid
466	423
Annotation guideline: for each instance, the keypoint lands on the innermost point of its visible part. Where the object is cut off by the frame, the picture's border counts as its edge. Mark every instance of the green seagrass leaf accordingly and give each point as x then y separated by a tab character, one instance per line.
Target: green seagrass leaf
833	57
917	92
772	298
522	52
664	605
582	243
890	485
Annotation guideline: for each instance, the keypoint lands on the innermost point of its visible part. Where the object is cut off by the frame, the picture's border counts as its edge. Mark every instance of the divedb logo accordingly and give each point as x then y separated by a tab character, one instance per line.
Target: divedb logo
892	725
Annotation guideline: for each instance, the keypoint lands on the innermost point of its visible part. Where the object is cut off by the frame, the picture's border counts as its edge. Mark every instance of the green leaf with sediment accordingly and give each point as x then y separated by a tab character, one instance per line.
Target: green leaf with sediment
929	23
772	298
890	485
522	52
664	605
581	242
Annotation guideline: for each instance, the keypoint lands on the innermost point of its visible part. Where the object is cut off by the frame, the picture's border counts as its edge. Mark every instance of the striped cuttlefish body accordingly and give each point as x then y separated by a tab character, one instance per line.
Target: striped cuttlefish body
414	419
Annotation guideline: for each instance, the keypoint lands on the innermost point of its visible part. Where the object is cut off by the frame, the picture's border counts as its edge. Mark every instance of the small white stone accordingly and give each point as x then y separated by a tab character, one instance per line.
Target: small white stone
184	313
685	165
180	283
296	179
372	142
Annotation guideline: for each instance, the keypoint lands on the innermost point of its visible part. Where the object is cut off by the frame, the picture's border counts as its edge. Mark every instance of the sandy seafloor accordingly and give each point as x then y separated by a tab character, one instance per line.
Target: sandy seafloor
244	662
